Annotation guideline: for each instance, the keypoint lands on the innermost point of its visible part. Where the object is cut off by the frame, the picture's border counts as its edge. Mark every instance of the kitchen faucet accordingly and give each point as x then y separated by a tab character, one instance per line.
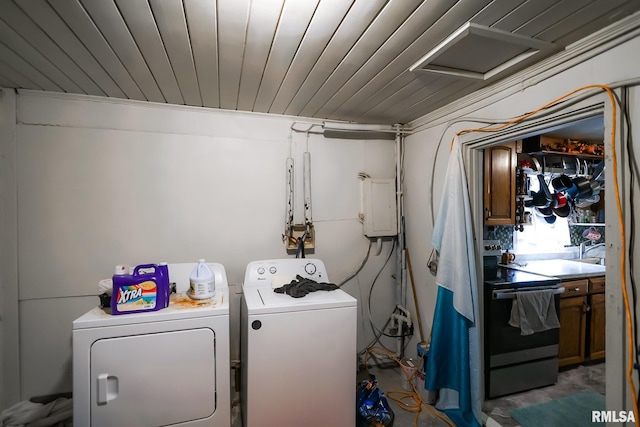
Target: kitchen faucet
583	248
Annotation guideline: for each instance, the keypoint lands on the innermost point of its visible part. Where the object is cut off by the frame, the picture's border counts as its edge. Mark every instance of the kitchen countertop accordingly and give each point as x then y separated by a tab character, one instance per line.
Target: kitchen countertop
505	277
562	268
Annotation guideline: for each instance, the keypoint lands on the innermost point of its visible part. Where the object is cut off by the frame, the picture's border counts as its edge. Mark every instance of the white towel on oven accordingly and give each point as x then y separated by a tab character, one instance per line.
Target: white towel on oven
534	311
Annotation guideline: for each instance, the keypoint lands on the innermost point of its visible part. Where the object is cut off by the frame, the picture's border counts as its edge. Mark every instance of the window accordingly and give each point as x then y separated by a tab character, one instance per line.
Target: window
542	237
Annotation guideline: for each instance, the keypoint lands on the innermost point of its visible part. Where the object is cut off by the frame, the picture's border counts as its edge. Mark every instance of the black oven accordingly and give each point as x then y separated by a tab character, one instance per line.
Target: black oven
514	362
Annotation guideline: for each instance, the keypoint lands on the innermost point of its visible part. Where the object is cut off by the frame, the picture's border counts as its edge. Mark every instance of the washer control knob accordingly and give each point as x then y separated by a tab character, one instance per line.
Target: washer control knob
260	270
272	270
256	324
310	268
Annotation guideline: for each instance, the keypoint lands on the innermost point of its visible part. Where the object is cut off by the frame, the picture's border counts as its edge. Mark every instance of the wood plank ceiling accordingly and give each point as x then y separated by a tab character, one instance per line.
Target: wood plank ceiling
329	59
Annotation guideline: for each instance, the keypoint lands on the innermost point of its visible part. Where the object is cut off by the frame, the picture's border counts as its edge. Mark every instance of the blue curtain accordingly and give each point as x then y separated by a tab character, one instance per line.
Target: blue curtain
448	361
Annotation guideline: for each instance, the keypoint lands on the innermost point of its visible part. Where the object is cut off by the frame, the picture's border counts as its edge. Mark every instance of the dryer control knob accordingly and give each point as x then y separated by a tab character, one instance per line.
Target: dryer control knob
260	270
310	268
256	324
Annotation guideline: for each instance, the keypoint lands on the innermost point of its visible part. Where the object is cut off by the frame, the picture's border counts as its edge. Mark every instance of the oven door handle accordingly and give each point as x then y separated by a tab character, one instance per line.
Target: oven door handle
511	293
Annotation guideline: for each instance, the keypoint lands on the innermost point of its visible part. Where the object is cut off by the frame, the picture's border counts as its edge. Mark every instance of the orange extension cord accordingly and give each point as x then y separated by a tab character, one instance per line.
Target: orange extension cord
411	400
623	274
408	400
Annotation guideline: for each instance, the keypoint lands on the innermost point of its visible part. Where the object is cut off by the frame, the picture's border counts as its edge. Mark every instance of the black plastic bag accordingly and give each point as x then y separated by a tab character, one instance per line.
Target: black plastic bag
373	407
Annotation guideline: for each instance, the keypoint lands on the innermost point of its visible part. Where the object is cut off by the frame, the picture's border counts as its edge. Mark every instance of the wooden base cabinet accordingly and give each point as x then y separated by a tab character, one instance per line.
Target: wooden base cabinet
582	321
573	325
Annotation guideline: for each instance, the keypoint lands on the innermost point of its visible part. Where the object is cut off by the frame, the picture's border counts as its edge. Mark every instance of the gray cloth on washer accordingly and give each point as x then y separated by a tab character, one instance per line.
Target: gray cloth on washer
300	287
534	311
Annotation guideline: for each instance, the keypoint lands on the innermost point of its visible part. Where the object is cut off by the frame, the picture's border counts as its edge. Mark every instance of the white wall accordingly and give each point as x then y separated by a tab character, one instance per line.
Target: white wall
528	91
102	182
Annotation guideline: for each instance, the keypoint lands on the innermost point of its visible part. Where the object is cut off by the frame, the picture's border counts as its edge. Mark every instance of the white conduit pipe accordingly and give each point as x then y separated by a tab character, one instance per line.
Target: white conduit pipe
401	263
307	188
289	197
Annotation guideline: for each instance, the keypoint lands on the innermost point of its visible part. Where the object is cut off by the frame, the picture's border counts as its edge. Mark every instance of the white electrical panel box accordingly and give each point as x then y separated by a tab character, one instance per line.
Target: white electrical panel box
380	214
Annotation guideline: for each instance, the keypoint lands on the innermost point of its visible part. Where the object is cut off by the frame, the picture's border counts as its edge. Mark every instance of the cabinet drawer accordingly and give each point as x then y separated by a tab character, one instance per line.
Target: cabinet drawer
596	285
575	287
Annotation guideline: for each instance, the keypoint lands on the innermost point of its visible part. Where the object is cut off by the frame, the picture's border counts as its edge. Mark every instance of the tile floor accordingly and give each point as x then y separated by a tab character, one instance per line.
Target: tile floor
570	381
390	380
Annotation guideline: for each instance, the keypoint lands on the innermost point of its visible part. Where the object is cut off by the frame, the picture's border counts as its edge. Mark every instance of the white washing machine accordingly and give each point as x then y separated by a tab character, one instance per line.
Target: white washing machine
298	354
166	367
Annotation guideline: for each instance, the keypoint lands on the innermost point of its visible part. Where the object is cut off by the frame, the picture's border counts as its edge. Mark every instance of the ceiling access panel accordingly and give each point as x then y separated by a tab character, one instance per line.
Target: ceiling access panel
447	15
478	55
76	17
59	32
111	25
477	52
142	26
423	85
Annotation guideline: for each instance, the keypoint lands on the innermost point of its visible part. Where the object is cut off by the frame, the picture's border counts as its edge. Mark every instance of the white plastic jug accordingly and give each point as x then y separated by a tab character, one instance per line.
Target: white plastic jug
201	282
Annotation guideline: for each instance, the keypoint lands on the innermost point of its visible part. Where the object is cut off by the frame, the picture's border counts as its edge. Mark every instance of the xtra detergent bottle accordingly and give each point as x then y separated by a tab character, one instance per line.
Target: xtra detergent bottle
201	282
144	290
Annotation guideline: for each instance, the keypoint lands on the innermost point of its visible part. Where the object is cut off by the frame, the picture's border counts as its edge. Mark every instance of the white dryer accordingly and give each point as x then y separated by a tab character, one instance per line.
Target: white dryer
298	354
166	367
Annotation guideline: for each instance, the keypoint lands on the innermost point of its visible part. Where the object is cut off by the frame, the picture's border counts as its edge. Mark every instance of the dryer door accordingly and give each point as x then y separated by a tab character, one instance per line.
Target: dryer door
153	379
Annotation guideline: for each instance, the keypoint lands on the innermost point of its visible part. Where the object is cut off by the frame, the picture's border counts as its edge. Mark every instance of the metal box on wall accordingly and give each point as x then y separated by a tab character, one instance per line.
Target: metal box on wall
380	216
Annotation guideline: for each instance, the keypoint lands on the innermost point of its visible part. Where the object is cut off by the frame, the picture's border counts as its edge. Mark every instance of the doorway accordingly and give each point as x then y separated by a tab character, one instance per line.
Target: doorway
540	229
590	375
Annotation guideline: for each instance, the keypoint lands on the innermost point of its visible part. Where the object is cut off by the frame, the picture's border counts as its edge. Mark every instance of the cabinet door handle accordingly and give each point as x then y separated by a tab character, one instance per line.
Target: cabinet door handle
576	289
